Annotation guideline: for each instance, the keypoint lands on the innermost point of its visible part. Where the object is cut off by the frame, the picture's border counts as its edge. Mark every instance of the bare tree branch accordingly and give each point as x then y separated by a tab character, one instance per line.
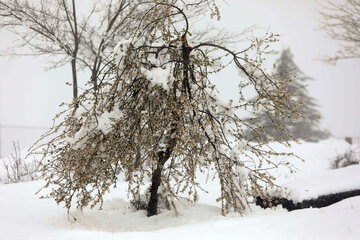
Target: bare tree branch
341	21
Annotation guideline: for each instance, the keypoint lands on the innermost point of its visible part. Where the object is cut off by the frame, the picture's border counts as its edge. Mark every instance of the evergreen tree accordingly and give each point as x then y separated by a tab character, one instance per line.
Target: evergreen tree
279	127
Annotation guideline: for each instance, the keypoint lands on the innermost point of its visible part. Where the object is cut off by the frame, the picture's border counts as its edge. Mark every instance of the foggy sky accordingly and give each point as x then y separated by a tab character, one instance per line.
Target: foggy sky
29	96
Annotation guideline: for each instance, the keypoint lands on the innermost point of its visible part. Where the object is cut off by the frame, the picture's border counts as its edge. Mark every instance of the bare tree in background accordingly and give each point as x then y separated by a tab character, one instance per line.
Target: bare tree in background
56	28
341	22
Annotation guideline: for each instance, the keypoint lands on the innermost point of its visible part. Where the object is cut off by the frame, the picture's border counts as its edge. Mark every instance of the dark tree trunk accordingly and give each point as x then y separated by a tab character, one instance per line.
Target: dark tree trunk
155	183
163	156
95	71
186	49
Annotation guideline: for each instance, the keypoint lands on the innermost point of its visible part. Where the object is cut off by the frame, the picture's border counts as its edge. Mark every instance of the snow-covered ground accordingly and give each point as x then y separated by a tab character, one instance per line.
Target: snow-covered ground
24	216
328	182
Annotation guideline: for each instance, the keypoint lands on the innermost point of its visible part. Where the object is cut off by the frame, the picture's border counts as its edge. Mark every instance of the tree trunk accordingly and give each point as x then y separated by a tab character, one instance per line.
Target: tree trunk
155	183
95	71
74	55
74	77
163	156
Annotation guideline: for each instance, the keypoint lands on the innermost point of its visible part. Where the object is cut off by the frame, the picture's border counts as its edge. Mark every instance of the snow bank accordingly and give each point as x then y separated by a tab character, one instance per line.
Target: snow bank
327	182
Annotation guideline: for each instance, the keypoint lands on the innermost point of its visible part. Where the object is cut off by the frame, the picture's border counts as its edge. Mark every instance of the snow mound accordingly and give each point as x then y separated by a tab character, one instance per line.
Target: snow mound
118	215
324	183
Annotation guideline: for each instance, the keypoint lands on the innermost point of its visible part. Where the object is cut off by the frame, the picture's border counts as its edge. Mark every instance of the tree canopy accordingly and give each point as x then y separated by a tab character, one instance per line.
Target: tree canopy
157	117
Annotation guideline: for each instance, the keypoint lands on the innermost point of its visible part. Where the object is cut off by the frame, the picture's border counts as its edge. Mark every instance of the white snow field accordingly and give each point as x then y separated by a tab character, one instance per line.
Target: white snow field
24	216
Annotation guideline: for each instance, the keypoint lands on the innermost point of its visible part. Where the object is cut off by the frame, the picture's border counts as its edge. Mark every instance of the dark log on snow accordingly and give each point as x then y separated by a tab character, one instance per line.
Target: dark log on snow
319	202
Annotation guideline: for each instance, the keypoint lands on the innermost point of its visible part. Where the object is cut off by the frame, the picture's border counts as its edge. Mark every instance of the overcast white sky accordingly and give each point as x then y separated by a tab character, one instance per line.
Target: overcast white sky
29	96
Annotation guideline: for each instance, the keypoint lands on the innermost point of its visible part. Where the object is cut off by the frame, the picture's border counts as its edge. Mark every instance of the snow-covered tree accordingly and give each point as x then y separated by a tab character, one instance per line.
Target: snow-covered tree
157	117
275	126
